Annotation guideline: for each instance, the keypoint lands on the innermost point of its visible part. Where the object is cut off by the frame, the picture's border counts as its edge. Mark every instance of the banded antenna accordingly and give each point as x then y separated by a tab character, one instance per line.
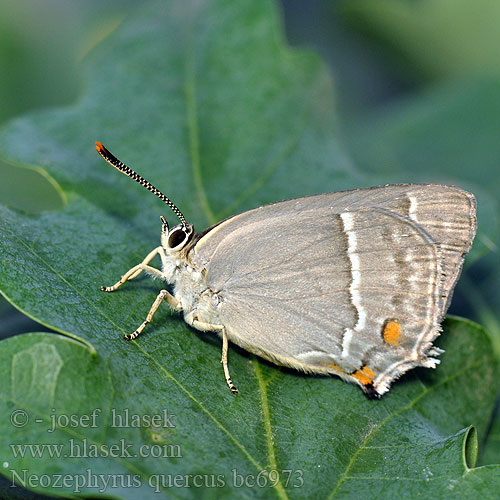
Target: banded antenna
116	163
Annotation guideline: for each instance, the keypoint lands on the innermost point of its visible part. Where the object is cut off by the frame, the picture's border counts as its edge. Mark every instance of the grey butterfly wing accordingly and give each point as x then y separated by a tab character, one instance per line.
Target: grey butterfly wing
311	282
448	214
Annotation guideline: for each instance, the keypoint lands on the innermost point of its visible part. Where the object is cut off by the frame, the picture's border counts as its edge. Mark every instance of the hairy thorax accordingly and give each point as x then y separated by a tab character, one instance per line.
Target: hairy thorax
197	300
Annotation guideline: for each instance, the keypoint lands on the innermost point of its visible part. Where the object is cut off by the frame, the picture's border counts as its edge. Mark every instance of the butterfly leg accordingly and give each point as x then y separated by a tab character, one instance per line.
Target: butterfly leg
163	295
224	362
207	327
136	270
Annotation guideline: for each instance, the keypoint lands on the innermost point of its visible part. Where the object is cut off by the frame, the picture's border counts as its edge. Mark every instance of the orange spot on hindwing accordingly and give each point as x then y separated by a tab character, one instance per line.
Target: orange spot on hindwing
392	332
365	375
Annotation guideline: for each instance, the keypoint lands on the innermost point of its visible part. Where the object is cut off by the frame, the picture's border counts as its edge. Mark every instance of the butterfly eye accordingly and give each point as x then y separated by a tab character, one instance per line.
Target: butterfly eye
179	236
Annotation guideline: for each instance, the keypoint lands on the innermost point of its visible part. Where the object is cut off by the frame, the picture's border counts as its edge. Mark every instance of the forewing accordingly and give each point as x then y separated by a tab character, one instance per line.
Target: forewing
313	282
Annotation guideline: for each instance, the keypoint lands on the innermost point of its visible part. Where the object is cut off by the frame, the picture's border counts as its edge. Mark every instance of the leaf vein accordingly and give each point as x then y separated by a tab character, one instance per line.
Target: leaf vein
273	465
194	135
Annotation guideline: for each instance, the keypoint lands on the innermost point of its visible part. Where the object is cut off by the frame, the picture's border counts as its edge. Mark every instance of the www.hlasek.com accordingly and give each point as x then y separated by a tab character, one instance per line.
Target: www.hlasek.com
90	481
84	448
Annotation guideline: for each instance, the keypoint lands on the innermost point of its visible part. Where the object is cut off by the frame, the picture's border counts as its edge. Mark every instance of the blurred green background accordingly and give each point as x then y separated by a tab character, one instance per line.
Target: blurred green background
417	87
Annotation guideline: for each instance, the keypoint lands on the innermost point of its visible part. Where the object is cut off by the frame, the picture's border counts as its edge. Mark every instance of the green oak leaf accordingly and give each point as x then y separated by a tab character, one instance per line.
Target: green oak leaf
206	101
